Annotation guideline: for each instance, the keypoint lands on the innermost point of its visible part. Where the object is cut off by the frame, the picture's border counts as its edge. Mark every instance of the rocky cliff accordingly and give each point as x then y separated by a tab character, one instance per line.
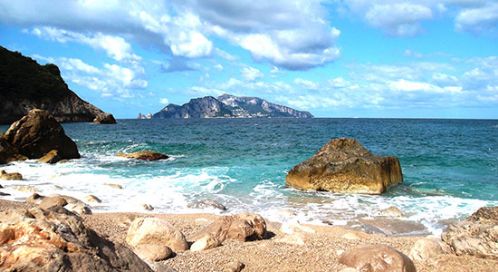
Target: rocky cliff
231	107
25	85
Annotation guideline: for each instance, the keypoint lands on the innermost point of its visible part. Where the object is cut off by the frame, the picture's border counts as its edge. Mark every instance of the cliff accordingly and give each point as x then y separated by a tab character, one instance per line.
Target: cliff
229	106
25	85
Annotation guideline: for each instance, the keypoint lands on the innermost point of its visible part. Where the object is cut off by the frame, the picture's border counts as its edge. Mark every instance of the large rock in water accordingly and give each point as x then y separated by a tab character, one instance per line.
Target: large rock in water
38	133
57	240
106	118
478	235
9	153
26	85
345	166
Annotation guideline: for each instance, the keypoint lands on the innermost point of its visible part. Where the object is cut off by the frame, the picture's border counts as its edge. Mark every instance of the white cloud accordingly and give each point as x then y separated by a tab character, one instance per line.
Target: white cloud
478	19
251	73
306	84
164	101
401	19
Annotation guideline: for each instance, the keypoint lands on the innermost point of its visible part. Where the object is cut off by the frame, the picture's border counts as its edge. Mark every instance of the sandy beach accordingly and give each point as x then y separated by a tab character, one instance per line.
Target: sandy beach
307	248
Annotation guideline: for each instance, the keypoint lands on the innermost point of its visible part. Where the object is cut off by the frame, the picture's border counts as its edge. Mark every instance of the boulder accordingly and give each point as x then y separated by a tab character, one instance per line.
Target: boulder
377	258
208	241
345	166
155	231
51	157
477	235
9	153
38	133
10	176
145	155
56	240
57	201
92	199
392	211
148	207
104	119
425	249
153	252
242	227
48	203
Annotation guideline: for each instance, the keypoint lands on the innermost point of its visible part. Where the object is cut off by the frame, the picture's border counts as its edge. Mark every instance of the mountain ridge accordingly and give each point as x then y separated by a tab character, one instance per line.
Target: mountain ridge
229	106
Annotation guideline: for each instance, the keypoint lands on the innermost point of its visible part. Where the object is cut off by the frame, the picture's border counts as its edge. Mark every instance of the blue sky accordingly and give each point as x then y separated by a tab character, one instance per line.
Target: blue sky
334	58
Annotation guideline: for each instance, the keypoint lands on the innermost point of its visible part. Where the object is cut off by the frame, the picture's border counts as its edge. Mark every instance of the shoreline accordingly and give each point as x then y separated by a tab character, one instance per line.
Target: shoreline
289	247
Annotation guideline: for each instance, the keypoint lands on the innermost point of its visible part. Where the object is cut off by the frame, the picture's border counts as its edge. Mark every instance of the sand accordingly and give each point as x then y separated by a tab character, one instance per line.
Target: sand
313	248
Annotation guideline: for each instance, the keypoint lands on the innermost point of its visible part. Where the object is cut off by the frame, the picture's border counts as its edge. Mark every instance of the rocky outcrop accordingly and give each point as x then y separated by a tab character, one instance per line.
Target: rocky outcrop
9	153
10	176
229	106
26	85
477	235
345	166
38	133
377	258
242	227
145	155
57	240
105	118
155	231
51	157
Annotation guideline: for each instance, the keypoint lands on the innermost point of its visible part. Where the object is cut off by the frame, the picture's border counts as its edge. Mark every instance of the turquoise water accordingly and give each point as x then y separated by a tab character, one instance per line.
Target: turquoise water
450	166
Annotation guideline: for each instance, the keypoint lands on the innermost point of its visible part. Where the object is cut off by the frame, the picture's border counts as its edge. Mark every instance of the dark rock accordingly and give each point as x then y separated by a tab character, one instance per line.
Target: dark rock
477	236
377	258
229	106
345	166
38	133
104	119
26	85
145	155
9	153
57	240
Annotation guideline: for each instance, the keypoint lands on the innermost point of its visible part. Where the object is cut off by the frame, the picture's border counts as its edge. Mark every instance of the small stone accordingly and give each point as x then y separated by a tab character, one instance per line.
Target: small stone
392	212
51	157
93	199
4	194
234	267
52	202
10	176
377	258
207	203
145	155
153	252
148	207
425	249
114	186
208	241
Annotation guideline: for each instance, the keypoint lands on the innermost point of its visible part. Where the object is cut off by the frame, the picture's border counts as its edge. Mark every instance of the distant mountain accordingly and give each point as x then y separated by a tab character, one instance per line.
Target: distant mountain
229	106
25	85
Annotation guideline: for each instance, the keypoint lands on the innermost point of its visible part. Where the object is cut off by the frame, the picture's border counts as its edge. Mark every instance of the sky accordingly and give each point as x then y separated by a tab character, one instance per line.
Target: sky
334	58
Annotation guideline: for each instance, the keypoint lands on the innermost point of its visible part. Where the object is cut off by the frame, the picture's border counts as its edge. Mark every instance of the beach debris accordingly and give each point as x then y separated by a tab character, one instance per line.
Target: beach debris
10	176
344	166
155	231
38	133
92	199
51	157
207	241
377	258
153	252
144	155
242	227
207	203
425	249
104	118
56	240
235	266
392	211
477	235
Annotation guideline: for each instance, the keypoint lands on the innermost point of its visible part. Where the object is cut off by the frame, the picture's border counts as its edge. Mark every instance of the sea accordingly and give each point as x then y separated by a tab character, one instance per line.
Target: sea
450	168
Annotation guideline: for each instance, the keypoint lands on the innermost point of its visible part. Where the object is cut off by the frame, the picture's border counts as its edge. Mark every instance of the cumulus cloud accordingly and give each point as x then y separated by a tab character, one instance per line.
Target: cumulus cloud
164	101
478	19
251	73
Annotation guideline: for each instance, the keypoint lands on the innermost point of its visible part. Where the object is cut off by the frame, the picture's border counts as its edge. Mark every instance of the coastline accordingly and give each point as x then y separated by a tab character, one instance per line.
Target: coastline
289	247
